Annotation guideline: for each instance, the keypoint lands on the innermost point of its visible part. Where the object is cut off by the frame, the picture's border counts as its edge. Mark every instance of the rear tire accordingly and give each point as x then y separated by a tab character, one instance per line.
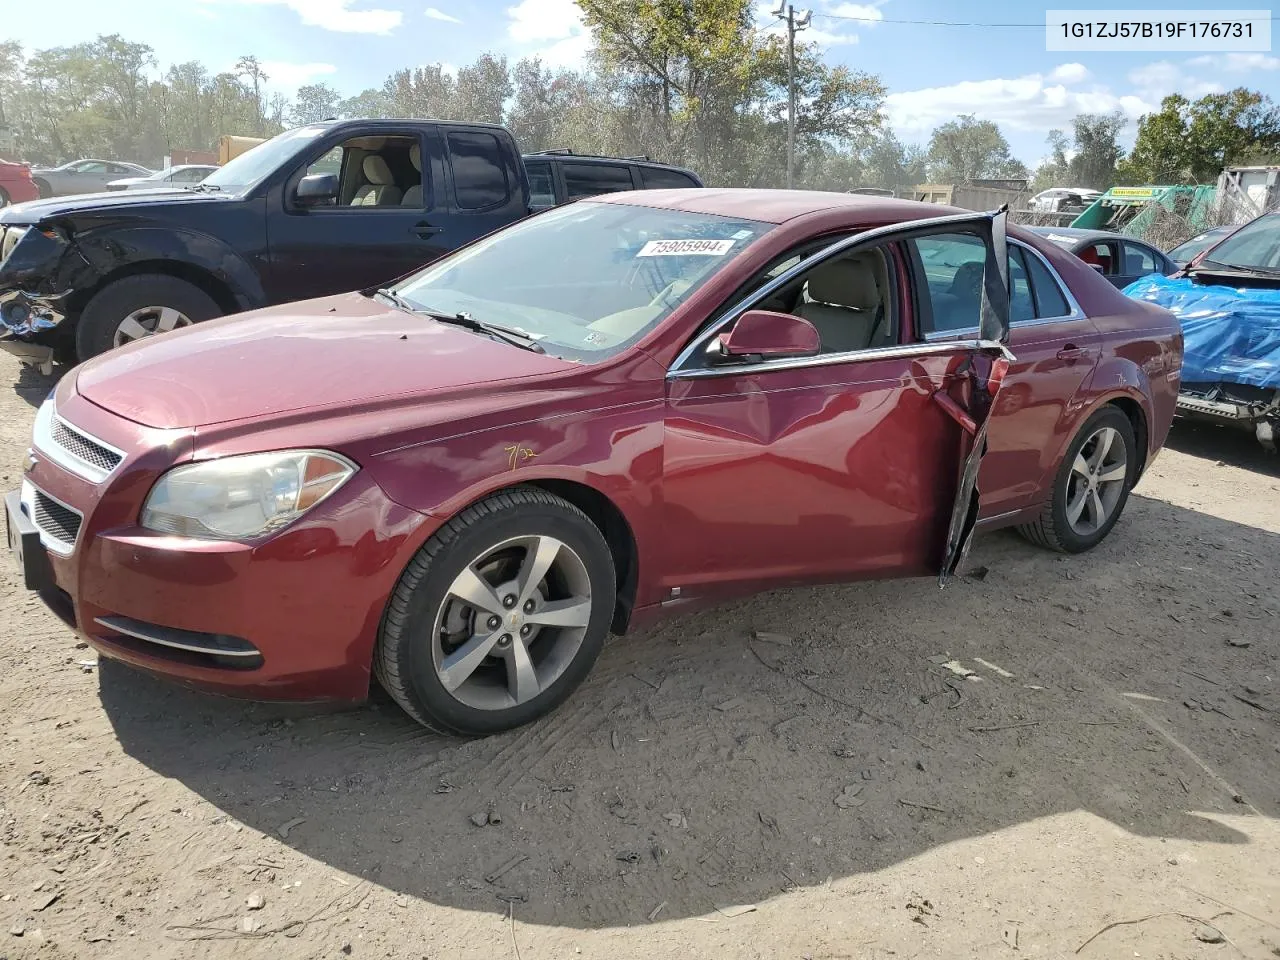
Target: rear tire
1091	487
452	650
43	187
148	298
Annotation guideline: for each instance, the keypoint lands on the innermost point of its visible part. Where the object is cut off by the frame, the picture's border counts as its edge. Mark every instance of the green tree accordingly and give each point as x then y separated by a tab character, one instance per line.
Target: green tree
970	149
1097	149
482	89
315	102
1054	170
1191	141
250	68
887	163
369	104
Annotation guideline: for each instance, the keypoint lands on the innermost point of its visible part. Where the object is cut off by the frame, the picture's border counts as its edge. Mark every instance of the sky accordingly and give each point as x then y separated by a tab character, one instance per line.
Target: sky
932	72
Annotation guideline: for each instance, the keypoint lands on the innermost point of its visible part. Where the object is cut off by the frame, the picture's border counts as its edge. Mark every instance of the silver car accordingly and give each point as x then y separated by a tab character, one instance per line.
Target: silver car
179	177
83	176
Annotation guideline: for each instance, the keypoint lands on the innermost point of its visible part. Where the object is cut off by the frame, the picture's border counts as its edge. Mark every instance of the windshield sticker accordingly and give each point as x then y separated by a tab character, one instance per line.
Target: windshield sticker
684	248
742	235
1059	238
594	337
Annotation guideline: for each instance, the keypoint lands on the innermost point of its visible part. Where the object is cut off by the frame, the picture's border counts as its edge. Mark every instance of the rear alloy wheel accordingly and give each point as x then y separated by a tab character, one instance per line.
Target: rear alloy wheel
1091	487
499	616
137	307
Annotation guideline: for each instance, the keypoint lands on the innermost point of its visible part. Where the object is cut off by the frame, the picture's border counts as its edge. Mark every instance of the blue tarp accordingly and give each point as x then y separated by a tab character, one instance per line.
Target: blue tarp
1231	334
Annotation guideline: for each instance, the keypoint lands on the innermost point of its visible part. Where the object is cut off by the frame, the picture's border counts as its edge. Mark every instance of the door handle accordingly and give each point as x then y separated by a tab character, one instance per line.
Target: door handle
424	230
1071	353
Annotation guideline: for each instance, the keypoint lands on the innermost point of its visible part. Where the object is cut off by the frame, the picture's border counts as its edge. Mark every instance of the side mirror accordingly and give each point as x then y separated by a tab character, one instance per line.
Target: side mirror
316	189
766	333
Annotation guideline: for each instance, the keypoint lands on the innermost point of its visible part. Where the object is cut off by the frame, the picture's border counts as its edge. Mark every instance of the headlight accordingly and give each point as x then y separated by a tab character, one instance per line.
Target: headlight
240	498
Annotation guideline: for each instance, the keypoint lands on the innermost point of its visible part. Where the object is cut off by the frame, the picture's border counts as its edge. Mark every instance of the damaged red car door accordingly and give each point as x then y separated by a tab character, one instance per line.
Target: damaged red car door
788	466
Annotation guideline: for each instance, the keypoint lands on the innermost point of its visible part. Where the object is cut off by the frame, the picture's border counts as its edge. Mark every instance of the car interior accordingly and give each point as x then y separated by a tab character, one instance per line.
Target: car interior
1099	254
375	172
847	299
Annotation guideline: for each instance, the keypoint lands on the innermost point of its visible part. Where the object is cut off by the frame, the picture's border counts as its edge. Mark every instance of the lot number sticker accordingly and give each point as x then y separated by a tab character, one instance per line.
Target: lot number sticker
685	248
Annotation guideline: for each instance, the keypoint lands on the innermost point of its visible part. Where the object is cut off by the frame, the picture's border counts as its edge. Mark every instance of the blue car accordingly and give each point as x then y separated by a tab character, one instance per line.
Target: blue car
1228	302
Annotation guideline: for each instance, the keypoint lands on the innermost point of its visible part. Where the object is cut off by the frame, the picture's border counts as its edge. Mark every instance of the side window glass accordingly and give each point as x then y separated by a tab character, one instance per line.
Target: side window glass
590	179
1050	301
953	264
542	189
374	171
479	177
1022	305
847	298
1138	260
659	178
1100	254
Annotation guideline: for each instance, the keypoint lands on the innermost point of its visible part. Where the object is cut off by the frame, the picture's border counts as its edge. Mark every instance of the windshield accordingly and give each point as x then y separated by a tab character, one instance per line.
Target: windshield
1190	249
587	279
257	162
1255	246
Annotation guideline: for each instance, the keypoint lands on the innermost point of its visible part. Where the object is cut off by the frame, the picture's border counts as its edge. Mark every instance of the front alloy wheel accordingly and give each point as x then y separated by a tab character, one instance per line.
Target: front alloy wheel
499	616
147	322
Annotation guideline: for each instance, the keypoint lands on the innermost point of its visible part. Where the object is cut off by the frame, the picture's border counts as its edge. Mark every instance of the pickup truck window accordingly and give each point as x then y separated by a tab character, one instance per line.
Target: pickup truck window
657	178
542	188
590	179
479	177
374	171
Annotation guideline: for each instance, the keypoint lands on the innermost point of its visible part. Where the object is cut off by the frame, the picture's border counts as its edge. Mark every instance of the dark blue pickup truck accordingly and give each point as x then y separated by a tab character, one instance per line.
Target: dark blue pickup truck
321	209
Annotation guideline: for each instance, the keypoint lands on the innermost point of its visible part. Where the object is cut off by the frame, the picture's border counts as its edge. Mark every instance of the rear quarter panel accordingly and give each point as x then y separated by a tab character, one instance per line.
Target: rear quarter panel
1141	350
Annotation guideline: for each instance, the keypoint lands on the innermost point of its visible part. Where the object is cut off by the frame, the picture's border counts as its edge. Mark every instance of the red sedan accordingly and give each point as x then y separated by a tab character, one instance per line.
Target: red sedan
16	185
604	414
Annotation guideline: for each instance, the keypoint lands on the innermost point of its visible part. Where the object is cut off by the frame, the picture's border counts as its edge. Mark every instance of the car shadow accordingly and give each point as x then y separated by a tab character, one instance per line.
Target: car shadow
33	386
701	765
1223	444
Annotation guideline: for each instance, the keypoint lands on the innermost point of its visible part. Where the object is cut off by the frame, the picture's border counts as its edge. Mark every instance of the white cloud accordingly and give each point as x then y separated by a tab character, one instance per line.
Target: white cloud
1155	81
281	73
866	12
1237	62
431	13
550	29
1070	73
335	15
1029	103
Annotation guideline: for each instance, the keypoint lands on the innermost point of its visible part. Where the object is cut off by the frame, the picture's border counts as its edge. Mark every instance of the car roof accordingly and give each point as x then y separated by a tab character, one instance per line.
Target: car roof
1082	235
779	206
595	158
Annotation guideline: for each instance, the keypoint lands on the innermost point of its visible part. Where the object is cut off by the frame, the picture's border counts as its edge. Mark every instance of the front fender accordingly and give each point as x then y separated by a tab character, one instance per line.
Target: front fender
101	252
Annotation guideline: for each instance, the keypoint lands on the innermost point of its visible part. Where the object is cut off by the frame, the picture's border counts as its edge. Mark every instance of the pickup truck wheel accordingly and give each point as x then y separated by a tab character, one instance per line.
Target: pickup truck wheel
1091	487
499	616
137	307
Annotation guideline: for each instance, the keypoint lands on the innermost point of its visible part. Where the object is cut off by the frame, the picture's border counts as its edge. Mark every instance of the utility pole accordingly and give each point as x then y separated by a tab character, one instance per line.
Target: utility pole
787	12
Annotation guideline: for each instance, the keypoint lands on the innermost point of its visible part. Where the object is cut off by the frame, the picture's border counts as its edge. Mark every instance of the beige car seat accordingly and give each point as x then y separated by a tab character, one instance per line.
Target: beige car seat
380	189
413	196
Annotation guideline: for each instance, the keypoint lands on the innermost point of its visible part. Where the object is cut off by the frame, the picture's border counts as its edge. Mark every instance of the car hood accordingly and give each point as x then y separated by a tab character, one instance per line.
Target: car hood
113	204
339	352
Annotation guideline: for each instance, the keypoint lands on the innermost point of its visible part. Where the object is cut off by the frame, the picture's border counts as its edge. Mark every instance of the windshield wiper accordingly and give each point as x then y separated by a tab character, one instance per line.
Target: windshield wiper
1209	267
517	338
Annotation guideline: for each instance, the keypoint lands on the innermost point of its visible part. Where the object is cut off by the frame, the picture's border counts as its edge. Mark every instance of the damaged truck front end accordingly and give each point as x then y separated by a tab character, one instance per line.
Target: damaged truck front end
32	307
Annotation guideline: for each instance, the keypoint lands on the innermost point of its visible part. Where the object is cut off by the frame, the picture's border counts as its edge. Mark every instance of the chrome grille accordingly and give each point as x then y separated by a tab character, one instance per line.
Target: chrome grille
84	448
54	520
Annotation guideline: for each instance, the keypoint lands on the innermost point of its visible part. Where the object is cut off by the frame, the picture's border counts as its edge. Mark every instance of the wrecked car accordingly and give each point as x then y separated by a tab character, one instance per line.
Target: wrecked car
605	414
1228	302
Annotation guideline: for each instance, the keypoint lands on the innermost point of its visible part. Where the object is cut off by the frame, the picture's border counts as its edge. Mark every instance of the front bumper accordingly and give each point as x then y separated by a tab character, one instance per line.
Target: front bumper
294	617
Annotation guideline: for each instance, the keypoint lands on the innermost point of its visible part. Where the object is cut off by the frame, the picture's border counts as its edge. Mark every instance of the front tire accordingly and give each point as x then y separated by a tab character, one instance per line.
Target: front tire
137	307
499	616
1091	487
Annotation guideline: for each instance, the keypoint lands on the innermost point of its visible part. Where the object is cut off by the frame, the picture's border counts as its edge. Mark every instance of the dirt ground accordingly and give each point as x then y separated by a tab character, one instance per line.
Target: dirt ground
1111	770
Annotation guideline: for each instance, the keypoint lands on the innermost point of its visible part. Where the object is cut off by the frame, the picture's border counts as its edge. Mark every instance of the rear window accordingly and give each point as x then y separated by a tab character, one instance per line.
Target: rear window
1050	301
659	178
479	176
589	179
